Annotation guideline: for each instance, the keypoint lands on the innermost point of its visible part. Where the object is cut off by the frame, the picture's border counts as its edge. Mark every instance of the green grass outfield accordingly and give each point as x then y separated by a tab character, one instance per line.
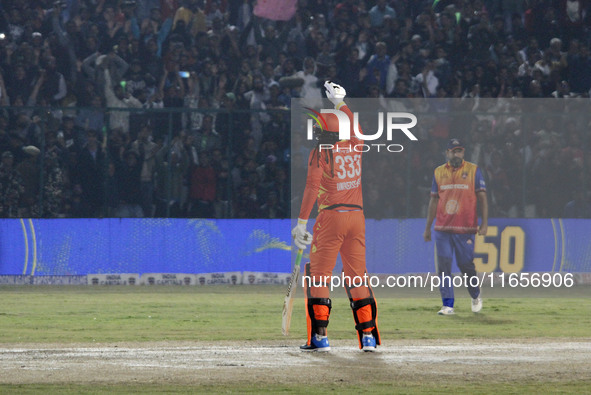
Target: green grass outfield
110	314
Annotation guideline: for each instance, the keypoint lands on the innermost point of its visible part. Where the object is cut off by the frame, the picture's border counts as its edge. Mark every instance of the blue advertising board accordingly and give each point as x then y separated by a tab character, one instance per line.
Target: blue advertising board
82	246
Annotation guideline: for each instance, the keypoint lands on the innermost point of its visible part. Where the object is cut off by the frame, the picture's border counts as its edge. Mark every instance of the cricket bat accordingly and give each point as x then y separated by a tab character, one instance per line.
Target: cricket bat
291	290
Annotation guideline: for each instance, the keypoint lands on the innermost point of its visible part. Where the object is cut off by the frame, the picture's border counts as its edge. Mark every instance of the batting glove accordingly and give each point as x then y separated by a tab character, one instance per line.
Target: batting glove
301	237
335	93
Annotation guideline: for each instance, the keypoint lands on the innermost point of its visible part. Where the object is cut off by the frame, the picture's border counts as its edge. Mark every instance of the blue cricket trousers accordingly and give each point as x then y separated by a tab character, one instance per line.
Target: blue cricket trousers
462	246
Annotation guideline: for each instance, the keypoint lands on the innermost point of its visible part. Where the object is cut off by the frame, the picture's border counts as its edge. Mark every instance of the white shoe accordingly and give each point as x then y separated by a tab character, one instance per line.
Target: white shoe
446	310
476	305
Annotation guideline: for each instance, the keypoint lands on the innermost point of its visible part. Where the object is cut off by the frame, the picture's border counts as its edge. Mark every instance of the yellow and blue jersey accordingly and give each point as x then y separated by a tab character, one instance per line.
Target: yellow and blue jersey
456	189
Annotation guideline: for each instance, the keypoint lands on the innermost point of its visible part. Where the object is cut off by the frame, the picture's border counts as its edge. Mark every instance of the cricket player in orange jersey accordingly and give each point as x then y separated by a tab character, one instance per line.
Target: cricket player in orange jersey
334	181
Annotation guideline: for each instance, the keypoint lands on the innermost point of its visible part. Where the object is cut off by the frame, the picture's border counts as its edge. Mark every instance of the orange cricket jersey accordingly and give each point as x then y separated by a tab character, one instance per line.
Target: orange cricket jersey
340	184
456	188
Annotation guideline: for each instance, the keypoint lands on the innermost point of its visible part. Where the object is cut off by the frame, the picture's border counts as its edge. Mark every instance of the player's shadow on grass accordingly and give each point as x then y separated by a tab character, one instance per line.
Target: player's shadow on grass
482	318
417	308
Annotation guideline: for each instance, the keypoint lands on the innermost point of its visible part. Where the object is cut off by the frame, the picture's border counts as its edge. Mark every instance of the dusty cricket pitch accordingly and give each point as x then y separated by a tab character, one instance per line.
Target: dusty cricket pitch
199	363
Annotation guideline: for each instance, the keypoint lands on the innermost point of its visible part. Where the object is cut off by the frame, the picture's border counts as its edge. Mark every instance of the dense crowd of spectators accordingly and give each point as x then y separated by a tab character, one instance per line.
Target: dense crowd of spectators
197	93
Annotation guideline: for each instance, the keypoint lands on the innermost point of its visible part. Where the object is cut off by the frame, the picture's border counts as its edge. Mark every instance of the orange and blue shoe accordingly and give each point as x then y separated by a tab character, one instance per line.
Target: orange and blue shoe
319	343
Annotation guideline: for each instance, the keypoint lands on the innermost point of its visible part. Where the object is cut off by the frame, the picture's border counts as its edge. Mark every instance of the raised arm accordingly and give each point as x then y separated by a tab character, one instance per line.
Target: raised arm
89	64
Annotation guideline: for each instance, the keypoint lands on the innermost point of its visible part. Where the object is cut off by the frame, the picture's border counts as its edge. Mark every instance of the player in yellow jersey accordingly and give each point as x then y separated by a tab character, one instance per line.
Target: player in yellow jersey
457	187
334	181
